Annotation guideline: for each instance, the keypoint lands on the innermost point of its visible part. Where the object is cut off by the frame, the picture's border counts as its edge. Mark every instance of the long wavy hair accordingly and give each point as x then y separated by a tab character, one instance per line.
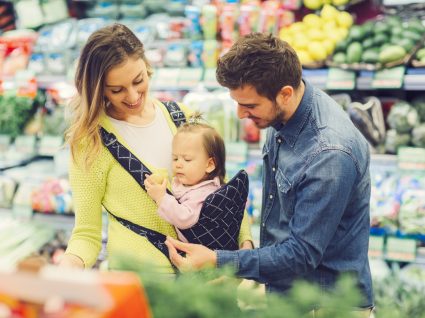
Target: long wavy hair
105	49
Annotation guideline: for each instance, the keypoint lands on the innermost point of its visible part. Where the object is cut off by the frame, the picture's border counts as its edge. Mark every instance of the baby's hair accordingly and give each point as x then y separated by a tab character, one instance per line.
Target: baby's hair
212	141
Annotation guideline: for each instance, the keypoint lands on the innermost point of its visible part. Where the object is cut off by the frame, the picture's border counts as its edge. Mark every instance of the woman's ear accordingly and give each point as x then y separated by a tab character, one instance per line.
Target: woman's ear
210	165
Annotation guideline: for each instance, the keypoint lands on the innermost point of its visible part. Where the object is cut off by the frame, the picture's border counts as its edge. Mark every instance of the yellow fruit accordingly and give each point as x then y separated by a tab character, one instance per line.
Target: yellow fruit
313	4
329	13
345	20
317	51
156	178
339	2
312	20
315	34
329	26
342	33
297	27
304	57
300	42
329	46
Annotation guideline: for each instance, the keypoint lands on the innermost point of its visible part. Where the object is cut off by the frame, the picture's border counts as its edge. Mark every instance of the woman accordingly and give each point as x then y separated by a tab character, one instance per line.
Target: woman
113	110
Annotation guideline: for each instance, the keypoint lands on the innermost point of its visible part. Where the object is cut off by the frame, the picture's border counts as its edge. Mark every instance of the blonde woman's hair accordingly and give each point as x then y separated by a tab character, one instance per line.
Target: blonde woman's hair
105	49
212	141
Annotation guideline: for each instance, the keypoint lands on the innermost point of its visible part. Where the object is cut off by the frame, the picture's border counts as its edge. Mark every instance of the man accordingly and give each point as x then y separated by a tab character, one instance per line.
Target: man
315	212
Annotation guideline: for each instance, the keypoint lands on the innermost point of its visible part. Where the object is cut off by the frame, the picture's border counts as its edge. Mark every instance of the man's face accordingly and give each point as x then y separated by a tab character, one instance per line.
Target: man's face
261	110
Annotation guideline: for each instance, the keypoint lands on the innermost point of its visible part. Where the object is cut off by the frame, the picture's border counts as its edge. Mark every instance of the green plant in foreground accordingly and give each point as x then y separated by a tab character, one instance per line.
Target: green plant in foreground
215	293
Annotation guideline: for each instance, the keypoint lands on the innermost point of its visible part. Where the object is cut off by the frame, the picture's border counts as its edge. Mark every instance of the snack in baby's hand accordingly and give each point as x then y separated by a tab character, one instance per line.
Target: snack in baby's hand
156	178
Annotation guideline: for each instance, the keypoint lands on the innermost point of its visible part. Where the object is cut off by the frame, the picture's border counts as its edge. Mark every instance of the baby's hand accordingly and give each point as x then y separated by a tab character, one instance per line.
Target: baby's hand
156	190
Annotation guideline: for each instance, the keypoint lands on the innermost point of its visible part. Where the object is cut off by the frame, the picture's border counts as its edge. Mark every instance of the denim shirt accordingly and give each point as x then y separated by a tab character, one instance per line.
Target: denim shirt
315	213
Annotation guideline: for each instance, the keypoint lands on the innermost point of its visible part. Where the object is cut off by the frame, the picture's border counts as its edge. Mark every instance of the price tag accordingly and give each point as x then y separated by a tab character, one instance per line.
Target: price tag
376	246
236	151
389	78
209	78
190	77
339	79
49	145
4	143
410	158
401	249
25	144
166	78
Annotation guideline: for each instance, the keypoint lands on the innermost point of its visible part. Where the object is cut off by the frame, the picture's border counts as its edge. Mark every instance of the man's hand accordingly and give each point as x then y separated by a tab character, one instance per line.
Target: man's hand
197	256
155	190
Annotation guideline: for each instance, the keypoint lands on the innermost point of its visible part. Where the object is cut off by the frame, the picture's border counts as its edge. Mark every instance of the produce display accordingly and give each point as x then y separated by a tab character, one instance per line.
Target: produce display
315	37
379	43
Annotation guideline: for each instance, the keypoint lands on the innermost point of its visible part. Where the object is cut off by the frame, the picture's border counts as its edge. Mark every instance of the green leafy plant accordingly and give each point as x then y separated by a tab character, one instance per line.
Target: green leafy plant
15	111
216	293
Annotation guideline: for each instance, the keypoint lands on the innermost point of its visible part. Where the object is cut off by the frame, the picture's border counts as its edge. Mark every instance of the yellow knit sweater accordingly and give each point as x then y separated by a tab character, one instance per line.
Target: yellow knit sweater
107	184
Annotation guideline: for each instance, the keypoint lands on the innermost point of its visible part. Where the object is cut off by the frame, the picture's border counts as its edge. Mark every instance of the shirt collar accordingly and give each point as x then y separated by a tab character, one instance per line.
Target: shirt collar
292	129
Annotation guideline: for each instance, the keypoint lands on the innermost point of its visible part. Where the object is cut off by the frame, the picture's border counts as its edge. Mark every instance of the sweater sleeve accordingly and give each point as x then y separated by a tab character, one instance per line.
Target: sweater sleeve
88	187
245	231
182	215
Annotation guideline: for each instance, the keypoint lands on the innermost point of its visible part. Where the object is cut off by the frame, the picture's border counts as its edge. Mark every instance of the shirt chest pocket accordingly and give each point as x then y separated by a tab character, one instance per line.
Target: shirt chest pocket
285	193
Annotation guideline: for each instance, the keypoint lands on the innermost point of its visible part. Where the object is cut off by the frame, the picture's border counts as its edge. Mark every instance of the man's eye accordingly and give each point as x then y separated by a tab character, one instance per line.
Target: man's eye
139	82
115	91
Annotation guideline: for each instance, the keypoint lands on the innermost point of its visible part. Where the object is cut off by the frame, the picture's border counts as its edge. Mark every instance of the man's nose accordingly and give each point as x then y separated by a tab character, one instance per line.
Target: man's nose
241	112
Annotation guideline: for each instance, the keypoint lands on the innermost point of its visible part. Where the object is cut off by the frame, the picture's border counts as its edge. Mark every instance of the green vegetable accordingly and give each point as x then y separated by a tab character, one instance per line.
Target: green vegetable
418	136
402	117
391	53
393	141
15	111
354	52
419	104
339	58
370	56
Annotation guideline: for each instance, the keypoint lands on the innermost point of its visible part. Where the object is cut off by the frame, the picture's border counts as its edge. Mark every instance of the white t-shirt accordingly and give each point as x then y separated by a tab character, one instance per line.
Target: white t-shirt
151	143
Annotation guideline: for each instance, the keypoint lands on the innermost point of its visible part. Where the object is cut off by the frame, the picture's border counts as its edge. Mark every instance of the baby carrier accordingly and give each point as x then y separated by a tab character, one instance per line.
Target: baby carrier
221	214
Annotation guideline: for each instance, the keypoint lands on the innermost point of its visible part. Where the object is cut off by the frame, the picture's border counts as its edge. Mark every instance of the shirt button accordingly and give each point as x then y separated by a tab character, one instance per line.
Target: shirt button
279	140
271	196
264	224
274	169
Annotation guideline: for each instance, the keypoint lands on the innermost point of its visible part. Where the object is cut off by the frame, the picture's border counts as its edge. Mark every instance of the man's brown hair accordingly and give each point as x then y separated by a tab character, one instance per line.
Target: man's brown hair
261	60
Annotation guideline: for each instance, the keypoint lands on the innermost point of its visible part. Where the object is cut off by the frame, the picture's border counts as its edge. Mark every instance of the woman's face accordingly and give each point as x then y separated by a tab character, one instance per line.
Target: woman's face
126	87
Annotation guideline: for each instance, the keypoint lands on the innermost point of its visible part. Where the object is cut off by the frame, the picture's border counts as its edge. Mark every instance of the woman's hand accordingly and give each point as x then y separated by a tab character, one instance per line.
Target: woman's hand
71	261
155	190
246	245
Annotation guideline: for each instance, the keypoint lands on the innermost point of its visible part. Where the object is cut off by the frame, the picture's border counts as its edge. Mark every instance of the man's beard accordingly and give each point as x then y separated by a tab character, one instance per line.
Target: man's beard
278	118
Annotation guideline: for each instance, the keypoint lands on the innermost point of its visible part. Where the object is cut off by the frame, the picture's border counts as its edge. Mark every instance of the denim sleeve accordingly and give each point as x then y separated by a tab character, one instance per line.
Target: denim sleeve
322	195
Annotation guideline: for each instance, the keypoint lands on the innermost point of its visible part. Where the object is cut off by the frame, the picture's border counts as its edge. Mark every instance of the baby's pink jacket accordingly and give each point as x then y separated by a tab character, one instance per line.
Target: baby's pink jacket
185	212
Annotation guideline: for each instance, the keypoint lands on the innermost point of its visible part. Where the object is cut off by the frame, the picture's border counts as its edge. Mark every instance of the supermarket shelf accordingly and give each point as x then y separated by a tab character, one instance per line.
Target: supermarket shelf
414	80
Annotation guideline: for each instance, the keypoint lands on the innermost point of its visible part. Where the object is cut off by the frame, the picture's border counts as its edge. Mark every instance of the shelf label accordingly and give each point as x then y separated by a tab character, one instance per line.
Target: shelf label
4	143
209	78
376	246
49	145
236	151
190	77
389	78
25	144
339	79
410	158
401	249
166	77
